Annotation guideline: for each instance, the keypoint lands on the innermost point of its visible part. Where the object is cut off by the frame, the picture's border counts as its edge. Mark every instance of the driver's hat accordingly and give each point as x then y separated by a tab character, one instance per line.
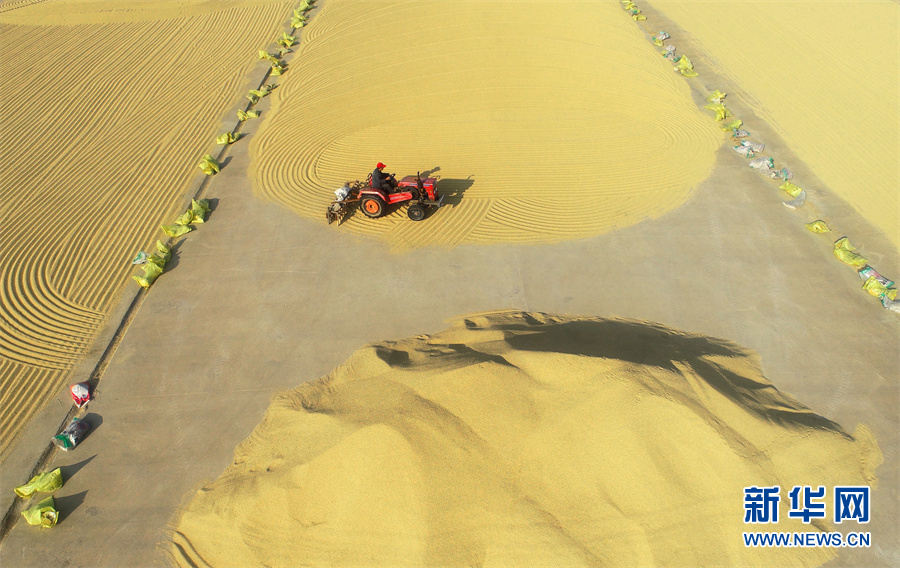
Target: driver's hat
380	165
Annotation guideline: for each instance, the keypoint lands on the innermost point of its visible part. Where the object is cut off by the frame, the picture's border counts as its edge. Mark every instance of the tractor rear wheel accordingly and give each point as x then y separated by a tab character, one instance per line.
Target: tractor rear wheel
372	206
415	212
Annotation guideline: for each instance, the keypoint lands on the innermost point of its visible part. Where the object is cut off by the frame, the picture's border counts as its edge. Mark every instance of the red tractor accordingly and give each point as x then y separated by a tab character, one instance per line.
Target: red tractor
420	193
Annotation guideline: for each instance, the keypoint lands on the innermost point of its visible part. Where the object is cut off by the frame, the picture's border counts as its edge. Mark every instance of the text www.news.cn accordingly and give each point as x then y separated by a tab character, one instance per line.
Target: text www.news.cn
807	539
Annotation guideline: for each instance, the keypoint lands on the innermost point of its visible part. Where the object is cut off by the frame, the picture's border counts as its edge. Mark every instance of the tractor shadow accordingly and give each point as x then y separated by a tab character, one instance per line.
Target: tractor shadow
453	189
431	172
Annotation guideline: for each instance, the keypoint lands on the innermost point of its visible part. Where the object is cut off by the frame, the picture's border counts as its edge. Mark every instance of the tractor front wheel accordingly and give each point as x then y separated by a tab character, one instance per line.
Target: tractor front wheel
415	212
372	206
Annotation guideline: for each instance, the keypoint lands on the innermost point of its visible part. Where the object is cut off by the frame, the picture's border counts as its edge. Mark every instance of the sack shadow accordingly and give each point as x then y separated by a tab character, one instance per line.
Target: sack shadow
66	505
93	420
213	203
69	471
173	260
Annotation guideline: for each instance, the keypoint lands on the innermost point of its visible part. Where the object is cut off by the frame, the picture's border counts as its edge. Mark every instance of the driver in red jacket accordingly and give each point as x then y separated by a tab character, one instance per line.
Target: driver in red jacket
383	181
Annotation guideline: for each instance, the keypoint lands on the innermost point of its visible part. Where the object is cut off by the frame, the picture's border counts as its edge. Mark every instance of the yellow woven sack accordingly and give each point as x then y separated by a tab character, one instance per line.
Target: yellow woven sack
209	165
733	125
227	138
163	250
151	273
716	96
175	230
843	250
161	257
43	515
255	94
818	226
263	54
245	114
685	67
790	189
720	110
286	40
46	482
877	289
185	218
157	260
200	209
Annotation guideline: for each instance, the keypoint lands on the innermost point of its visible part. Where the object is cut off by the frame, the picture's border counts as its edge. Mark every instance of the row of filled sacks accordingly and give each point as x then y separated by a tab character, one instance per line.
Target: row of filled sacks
752	149
873	282
278	66
683	63
44	513
196	213
155	264
299	18
635	12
